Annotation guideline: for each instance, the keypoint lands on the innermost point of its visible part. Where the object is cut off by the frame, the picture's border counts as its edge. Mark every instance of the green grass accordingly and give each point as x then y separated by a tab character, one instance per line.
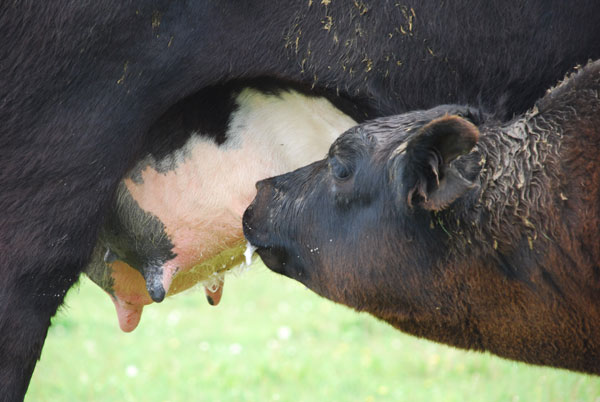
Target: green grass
270	339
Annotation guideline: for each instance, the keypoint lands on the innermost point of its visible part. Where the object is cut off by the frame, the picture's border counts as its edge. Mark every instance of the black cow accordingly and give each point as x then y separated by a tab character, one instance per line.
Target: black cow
82	82
474	233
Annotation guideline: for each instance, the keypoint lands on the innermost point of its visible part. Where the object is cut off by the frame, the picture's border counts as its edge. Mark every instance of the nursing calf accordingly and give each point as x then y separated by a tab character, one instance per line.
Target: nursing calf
464	231
176	218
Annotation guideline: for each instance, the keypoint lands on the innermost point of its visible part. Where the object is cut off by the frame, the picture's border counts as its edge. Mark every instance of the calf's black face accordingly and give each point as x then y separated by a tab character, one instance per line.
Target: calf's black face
456	228
343	225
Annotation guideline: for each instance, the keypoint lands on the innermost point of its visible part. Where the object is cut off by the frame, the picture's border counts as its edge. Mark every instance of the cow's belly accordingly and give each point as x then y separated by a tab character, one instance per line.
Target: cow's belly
189	228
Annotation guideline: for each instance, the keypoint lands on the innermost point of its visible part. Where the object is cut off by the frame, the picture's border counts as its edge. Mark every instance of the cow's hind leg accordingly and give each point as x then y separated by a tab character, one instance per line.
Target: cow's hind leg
49	219
35	278
26	308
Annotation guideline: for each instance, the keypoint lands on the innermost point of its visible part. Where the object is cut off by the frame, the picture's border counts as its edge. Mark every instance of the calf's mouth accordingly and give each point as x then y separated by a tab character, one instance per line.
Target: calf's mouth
259	231
259	239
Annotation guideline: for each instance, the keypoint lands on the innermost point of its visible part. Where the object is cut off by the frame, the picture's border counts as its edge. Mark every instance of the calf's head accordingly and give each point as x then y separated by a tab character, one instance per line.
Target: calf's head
355	227
485	241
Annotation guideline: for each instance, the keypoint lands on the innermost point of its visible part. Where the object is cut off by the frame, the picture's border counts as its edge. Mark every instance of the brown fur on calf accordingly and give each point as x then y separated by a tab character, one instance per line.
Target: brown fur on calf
494	250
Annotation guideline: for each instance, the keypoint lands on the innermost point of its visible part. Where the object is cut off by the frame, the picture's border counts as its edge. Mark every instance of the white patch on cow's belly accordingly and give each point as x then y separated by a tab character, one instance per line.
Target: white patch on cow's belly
201	201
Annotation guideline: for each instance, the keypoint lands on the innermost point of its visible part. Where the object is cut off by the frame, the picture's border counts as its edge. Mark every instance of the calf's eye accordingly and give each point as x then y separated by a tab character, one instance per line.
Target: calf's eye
339	170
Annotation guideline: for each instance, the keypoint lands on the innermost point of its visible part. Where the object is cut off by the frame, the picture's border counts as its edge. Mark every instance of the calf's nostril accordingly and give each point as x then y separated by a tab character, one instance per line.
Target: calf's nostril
265	184
259	185
247	218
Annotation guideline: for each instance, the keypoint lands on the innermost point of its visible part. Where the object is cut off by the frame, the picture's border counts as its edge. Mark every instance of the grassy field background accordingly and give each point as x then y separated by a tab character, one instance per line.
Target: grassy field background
270	339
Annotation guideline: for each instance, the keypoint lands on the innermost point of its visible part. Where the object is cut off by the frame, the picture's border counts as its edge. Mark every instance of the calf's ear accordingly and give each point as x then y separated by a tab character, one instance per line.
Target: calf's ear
429	179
